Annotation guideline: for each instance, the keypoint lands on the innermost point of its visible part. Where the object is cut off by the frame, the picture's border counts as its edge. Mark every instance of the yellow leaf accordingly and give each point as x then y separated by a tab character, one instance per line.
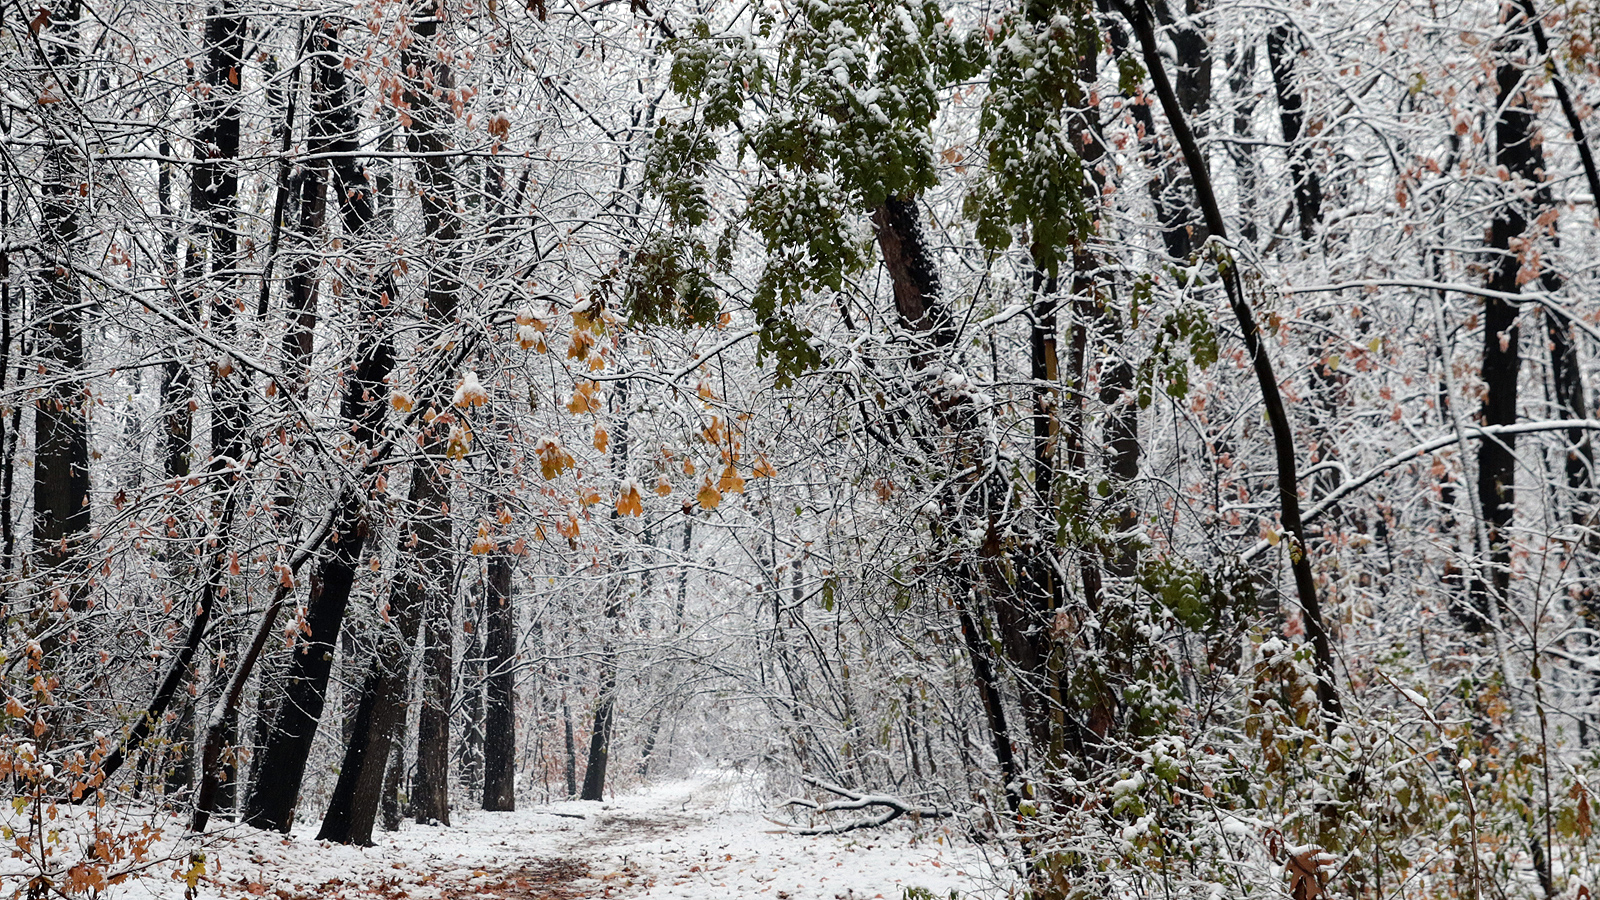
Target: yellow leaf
730	480
579	348
470	392
552	459
688	466
663	487
460	440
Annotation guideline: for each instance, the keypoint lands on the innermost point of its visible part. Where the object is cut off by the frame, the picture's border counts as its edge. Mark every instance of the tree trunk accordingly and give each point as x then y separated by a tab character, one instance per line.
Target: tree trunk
380	711
470	678
500	732
1139	17
1516	150
430	793
274	791
392	810
61	431
572	748
594	773
1282	50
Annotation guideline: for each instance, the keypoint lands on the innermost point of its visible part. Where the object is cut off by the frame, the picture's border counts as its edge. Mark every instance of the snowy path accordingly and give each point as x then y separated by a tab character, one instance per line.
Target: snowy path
702	838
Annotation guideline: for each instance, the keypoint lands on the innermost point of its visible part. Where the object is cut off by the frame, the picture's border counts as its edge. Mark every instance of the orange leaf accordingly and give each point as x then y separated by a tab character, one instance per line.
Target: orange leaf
585	398
601	438
629	503
708	496
483	544
730	480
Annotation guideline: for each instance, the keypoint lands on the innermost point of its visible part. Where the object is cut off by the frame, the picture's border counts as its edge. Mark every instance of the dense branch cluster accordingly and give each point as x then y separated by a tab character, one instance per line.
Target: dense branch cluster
1157	438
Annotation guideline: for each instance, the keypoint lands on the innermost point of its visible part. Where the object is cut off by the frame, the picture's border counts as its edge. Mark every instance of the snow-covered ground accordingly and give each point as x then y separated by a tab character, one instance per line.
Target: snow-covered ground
701	838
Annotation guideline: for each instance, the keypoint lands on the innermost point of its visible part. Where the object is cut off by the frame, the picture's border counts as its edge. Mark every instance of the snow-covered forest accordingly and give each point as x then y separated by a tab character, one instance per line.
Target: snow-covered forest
1152	441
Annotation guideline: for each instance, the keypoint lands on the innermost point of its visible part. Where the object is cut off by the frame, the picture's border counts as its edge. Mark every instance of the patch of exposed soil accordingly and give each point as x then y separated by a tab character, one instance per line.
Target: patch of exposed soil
540	879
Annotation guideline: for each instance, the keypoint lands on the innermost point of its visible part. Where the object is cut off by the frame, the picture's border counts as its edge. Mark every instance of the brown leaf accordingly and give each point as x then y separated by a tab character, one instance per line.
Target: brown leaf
1305	883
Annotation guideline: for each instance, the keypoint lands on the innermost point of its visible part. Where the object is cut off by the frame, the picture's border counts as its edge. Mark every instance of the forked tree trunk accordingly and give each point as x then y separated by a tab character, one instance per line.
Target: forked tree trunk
274	791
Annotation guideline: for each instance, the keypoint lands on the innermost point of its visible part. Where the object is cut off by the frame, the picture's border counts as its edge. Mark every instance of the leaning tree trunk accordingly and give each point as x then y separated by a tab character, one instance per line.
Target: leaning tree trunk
381	709
1138	15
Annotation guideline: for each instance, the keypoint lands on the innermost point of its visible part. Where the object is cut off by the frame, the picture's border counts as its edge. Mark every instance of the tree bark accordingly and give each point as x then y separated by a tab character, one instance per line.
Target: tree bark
430	790
1517	150
380	711
1282	50
500	732
274	791
61	431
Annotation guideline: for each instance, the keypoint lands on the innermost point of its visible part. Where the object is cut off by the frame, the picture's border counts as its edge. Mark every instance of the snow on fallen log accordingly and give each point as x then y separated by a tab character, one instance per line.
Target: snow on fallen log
891	808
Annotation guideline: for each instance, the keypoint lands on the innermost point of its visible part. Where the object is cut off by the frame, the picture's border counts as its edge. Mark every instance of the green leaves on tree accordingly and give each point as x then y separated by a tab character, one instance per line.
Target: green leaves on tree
837	116
1186	337
1036	127
667	284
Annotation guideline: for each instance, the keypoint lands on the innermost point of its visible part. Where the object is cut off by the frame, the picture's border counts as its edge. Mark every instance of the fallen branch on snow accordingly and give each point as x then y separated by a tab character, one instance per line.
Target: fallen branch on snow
893	808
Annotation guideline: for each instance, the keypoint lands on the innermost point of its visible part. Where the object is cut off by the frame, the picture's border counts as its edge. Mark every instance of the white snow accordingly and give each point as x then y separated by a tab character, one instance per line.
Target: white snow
707	837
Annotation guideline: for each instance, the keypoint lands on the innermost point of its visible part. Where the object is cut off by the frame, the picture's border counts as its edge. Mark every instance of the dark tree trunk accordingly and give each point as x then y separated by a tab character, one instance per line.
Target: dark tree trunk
275	789
430	790
1246	168
470	678
1567	378
1282	51
1172	190
572	748
61	432
271	801
1137	13
912	271
381	708
500	731
1517	151
215	197
989	695
392	810
594	773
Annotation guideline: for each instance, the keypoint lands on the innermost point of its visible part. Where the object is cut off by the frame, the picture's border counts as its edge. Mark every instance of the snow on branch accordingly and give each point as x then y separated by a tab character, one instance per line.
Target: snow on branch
891	808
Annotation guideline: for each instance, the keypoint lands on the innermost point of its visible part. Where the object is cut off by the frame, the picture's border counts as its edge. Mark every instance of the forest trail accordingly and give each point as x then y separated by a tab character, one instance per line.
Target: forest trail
699	838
